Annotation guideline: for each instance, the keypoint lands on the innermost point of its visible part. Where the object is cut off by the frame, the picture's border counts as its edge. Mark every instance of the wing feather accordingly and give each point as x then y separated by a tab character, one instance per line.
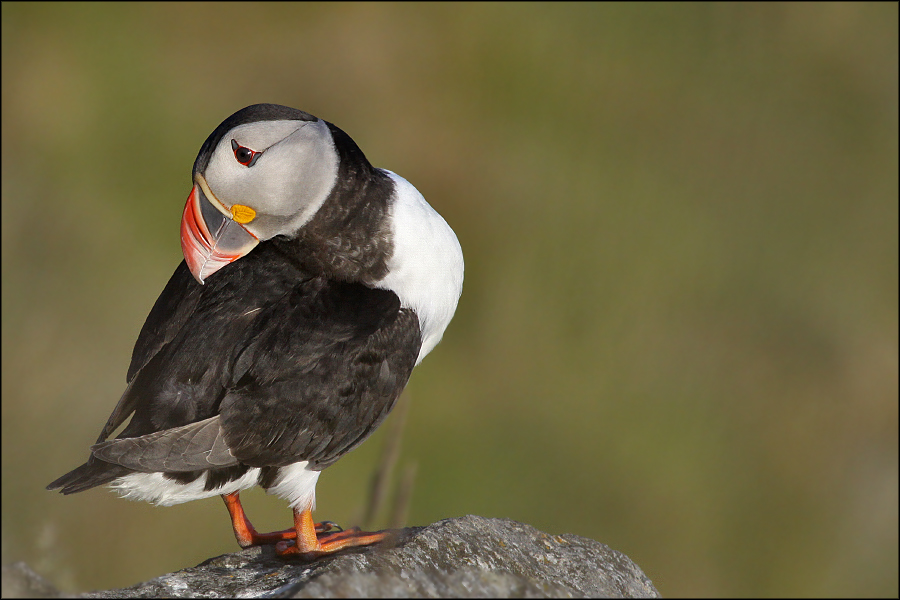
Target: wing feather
192	447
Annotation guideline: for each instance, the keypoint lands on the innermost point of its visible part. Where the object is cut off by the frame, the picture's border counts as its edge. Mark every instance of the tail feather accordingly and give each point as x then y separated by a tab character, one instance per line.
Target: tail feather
89	475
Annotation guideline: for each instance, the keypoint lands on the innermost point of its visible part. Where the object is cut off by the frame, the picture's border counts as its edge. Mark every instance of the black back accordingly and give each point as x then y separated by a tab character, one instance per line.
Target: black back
297	366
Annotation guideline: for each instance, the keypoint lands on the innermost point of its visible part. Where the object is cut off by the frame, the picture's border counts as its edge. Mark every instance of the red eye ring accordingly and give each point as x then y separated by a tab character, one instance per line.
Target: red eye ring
244	155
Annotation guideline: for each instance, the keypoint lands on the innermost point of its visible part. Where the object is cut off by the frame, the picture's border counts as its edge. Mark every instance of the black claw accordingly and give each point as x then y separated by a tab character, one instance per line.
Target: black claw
329	525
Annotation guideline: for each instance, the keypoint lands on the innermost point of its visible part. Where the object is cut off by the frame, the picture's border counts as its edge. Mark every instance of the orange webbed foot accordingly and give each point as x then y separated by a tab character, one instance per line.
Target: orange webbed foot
247	536
309	545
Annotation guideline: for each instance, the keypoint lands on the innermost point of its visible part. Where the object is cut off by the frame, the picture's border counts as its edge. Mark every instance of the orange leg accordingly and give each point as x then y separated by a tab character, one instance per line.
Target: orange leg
310	546
246	535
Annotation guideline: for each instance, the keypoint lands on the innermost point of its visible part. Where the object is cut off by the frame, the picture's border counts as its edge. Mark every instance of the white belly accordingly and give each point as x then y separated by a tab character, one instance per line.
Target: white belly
295	483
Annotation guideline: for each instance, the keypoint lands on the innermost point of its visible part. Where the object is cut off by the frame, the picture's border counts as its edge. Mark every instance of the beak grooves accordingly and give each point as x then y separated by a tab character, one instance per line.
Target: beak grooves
210	239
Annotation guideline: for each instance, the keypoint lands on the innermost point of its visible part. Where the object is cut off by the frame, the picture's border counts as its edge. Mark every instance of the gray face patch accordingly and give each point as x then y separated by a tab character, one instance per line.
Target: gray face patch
287	184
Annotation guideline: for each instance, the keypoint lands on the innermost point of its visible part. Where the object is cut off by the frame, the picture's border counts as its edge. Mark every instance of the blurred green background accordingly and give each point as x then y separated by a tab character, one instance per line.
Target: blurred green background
678	333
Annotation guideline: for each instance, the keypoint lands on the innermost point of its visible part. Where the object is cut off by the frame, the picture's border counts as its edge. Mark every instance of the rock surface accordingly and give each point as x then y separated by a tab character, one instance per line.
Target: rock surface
466	557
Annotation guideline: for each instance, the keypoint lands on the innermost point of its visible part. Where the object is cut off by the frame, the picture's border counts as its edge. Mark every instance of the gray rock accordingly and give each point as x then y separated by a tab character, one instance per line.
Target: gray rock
467	557
19	581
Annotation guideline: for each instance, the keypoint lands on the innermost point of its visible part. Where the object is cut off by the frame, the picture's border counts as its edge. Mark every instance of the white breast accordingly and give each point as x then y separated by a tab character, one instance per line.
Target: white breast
426	268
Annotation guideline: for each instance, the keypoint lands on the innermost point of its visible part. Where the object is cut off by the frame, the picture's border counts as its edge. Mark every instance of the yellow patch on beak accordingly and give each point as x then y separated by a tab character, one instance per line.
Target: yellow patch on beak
242	214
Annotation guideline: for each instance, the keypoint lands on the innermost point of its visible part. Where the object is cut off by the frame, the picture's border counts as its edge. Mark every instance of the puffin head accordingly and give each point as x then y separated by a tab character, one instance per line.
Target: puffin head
263	172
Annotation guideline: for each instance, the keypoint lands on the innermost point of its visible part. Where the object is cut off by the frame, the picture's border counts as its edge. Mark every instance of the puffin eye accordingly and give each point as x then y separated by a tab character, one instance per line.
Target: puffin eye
244	155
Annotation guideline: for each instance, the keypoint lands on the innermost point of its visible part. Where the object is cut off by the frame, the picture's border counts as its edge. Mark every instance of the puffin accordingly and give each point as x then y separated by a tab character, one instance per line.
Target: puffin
312	284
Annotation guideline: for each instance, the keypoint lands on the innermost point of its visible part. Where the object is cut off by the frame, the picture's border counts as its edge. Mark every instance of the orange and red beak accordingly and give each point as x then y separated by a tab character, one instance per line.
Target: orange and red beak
211	237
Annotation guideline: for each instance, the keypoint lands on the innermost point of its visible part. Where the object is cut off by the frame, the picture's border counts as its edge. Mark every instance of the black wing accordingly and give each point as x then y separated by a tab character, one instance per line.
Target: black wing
317	386
281	365
170	312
